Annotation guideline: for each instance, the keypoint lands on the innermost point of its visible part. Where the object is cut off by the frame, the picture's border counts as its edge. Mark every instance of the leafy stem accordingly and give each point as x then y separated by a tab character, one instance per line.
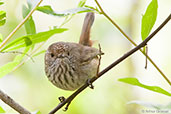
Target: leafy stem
126	36
19	26
121	59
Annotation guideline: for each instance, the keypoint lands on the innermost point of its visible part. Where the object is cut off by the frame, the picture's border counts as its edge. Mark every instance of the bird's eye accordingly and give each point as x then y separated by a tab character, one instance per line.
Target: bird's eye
52	55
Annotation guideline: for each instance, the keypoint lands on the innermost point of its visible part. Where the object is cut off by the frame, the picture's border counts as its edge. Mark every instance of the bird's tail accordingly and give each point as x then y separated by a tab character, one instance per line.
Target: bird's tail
85	34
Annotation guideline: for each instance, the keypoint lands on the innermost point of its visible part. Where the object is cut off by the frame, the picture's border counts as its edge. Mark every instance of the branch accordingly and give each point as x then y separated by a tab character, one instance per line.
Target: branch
128	38
6	99
19	25
142	44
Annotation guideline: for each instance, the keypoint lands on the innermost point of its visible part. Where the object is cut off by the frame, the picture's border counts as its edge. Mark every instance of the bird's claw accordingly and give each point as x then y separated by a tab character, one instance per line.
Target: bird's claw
61	99
90	84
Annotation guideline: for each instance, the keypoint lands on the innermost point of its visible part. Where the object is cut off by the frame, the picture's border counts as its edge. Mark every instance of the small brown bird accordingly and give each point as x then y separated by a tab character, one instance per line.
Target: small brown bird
69	65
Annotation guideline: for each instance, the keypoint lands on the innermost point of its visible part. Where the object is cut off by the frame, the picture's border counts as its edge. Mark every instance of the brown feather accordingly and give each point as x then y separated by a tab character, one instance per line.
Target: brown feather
85	34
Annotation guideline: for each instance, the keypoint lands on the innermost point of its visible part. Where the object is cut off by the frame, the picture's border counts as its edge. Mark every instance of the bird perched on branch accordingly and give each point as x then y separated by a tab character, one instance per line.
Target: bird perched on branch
69	65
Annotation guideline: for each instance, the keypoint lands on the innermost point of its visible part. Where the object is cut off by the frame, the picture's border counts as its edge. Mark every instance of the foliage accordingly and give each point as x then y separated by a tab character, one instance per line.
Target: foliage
29	41
149	19
135	82
1	37
2	110
48	10
2	15
29	25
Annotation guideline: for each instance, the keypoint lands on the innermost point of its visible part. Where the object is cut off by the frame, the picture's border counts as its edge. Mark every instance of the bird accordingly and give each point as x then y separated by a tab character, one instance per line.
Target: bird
69	65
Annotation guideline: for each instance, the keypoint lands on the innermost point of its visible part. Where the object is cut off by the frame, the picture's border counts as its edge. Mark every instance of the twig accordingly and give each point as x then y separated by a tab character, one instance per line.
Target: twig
142	44
19	25
18	52
8	100
146	61
4	97
128	38
100	57
18	66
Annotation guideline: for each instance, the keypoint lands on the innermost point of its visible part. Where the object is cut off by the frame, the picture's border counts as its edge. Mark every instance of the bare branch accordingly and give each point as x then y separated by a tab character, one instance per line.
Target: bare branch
142	44
9	101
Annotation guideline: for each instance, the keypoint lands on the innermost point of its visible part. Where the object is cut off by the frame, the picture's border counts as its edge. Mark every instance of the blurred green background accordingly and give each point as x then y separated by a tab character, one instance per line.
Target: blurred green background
29	86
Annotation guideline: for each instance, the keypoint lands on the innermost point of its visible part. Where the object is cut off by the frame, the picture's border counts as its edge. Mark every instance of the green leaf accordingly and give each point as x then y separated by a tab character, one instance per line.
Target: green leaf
30	4
148	19
48	10
2	110
1	2
36	112
134	81
29	40
2	17
1	38
95	9
7	68
81	3
29	25
2	22
4	70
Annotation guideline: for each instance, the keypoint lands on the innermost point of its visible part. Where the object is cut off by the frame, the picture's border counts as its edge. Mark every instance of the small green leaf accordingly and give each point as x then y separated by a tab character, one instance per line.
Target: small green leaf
2	22
48	10
1	38
17	43
81	3
2	17
29	40
2	110
95	9
1	2
30	4
148	19
134	81
7	68
4	70
29	25
36	112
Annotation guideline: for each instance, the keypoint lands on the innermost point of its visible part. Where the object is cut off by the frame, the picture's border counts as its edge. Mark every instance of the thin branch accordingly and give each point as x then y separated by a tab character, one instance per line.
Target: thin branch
9	101
34	51
19	25
146	60
70	98
18	52
128	38
4	97
100	57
